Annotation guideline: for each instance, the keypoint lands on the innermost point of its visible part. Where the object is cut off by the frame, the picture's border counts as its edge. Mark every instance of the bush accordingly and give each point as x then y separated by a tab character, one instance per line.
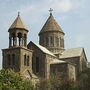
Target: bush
10	80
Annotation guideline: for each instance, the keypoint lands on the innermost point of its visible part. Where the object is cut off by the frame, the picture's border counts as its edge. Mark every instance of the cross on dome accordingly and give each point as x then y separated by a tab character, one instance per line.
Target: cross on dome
50	11
18	13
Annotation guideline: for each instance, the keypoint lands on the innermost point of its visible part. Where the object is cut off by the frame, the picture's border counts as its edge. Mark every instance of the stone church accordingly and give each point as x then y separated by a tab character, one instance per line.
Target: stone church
49	57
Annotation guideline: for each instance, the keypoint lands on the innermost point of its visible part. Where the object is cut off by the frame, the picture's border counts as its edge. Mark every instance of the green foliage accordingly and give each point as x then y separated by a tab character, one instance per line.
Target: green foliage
84	80
28	85
10	80
53	83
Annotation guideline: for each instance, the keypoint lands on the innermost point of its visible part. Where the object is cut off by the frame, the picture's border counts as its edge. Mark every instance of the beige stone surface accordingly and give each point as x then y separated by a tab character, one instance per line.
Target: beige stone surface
18	23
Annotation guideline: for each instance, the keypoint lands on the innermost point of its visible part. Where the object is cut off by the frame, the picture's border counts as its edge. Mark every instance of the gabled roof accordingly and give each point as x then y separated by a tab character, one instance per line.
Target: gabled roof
28	74
74	52
51	25
17	24
56	61
43	49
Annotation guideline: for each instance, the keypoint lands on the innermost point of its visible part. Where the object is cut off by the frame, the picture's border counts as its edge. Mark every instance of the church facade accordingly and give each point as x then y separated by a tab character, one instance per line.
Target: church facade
49	57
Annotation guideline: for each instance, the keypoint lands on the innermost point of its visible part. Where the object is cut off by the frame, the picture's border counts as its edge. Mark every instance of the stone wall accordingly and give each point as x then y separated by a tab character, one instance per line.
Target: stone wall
83	62
74	60
44	61
71	72
53	41
28	53
61	69
19	58
6	62
65	70
80	62
37	53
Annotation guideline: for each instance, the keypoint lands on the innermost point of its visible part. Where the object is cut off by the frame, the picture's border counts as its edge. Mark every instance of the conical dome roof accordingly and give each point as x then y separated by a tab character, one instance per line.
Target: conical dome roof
17	24
51	25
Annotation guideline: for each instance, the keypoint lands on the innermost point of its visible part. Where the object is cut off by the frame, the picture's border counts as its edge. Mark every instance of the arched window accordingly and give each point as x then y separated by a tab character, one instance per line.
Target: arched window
62	43
13	59
8	59
25	60
13	38
32	63
47	41
37	64
19	39
51	41
57	41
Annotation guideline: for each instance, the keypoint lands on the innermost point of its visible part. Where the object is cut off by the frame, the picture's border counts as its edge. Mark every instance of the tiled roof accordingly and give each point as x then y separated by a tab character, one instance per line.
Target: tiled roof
51	25
74	52
43	49
17	24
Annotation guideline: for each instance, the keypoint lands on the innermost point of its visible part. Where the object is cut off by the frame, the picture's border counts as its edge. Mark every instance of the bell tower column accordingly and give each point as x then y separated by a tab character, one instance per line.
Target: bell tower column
23	40
15	42
10	40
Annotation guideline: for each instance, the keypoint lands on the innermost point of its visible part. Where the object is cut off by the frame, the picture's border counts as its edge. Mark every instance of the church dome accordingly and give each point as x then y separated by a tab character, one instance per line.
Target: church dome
51	35
51	25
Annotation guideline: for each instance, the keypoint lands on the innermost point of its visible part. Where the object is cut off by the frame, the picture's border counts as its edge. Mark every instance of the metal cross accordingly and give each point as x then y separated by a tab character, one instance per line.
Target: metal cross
50	10
18	13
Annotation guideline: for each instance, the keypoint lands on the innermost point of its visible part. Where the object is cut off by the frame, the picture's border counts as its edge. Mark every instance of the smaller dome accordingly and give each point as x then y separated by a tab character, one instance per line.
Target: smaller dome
51	25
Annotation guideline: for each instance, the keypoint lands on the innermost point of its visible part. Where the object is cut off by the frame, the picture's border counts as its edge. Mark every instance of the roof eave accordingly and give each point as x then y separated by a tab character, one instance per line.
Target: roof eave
17	29
51	31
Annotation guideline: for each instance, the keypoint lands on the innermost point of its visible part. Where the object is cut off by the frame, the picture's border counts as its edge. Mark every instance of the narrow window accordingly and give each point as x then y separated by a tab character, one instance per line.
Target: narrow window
13	59
25	60
19	39
62	42
51	41
32	63
37	64
9	59
57	41
46	41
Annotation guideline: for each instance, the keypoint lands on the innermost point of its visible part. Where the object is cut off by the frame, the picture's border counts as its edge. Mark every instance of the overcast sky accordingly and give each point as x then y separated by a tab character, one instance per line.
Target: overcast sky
72	15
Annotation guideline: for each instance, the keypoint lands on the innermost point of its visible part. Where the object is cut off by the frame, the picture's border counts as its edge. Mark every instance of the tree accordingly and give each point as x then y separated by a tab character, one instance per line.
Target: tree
52	83
28	85
84	80
10	80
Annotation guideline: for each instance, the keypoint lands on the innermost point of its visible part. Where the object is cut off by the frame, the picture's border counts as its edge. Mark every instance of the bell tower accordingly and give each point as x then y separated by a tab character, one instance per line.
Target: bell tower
17	56
17	34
